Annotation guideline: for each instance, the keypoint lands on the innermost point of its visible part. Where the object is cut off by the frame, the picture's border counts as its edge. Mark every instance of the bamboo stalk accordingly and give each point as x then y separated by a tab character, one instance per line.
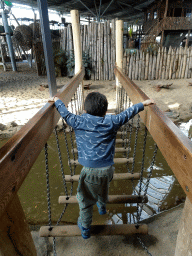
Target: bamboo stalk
176	64
137	65
164	63
187	64
184	63
179	63
99	50
143	66
171	64
109	50
102	58
105	50
153	66
168	63
131	66
147	66
134	66
161	63
140	64
158	63
150	65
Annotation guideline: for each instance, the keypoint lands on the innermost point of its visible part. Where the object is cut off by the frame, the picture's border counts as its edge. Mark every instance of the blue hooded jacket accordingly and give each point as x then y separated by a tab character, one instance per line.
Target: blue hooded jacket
95	136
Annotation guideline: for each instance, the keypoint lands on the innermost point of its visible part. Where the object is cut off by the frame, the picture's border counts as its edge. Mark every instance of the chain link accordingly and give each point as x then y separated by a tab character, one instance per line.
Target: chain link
48	186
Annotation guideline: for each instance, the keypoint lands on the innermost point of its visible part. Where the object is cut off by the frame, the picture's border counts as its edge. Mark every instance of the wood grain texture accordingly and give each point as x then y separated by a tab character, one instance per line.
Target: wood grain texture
173	144
15	236
96	230
112	199
18	155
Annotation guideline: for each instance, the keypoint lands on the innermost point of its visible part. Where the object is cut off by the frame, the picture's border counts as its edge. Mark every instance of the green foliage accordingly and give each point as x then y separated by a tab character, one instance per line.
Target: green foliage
86	63
152	48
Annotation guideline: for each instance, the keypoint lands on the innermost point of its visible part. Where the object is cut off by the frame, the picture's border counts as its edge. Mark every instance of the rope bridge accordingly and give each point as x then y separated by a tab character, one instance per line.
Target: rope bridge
20	152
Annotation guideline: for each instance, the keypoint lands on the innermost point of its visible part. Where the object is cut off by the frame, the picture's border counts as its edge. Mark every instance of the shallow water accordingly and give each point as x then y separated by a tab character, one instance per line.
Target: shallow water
164	191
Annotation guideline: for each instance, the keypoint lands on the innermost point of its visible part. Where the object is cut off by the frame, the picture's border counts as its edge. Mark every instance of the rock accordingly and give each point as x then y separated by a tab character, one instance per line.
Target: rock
2	127
190	108
190	131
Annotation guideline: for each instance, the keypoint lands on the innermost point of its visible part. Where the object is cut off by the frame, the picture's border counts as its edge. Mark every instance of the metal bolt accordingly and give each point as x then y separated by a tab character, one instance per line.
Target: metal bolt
187	189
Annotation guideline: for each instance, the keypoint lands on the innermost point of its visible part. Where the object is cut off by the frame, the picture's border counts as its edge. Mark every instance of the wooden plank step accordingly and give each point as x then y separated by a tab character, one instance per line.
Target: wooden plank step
116	176
112	199
116	161
117	150
96	230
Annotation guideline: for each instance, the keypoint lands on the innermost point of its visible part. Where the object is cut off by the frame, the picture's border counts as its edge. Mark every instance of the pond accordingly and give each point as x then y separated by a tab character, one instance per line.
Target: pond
164	191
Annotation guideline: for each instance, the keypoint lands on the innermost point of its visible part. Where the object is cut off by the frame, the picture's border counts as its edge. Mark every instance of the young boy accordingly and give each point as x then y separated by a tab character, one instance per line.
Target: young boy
95	136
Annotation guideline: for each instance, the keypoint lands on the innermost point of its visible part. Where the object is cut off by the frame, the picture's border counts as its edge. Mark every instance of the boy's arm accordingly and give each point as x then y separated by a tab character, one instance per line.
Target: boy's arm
70	118
129	113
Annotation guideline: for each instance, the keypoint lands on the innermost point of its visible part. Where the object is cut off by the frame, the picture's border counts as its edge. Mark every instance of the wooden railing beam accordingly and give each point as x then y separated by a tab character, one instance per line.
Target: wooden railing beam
18	155
173	144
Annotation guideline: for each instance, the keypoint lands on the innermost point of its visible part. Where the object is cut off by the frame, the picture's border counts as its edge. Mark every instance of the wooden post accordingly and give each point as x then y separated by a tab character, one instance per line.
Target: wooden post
77	51
119	46
166	8
119	53
184	237
188	35
15	236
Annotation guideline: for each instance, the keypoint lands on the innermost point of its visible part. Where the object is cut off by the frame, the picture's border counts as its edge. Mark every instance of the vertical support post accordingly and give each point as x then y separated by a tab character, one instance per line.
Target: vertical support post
47	46
162	38
119	54
8	37
184	237
15	236
166	8
188	35
77	51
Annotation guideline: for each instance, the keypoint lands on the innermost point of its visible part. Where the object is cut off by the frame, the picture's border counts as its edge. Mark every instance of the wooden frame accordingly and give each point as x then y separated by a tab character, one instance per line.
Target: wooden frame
19	154
173	144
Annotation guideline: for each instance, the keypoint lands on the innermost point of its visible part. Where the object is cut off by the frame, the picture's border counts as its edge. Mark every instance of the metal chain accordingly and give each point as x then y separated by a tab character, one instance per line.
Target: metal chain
135	145
142	170
48	193
61	162
143	245
148	177
48	186
68	155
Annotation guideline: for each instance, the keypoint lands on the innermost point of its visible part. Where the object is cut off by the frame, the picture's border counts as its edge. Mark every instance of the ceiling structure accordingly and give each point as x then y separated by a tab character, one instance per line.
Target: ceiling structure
128	10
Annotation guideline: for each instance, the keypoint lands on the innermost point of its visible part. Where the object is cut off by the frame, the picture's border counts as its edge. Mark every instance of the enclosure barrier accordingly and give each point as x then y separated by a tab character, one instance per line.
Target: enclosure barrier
173	144
17	157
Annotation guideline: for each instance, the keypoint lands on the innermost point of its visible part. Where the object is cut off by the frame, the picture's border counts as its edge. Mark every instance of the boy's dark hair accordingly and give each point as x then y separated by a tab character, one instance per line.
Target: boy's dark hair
96	104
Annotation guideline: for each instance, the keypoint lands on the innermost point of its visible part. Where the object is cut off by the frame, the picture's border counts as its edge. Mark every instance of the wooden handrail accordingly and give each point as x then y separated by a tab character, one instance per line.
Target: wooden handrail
18	155
173	144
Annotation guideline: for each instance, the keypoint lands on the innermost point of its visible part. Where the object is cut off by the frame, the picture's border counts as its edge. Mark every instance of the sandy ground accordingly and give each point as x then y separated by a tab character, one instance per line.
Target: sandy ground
23	93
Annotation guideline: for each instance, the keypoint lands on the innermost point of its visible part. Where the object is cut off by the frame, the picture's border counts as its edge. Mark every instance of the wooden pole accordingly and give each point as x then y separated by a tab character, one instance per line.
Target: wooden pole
77	51
184	242
166	8
15	236
119	46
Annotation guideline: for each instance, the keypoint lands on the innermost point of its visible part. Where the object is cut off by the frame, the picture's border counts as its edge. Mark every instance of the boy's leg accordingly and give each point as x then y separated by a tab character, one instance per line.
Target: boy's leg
85	213
104	191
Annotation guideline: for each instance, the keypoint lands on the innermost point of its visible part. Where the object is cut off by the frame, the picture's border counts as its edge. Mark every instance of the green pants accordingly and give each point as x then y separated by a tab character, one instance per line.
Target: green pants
93	187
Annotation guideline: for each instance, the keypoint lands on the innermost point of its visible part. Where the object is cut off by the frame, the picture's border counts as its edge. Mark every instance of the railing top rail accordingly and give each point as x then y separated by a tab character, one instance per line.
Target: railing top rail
173	144
18	155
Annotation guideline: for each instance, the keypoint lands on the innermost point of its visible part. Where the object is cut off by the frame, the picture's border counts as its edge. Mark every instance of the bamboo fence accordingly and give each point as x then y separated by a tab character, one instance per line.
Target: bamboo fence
98	41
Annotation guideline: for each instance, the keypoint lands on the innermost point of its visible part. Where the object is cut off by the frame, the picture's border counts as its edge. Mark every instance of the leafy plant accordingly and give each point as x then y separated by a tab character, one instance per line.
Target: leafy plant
86	63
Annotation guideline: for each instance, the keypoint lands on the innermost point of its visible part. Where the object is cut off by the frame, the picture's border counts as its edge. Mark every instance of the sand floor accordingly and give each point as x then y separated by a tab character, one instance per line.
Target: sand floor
23	93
